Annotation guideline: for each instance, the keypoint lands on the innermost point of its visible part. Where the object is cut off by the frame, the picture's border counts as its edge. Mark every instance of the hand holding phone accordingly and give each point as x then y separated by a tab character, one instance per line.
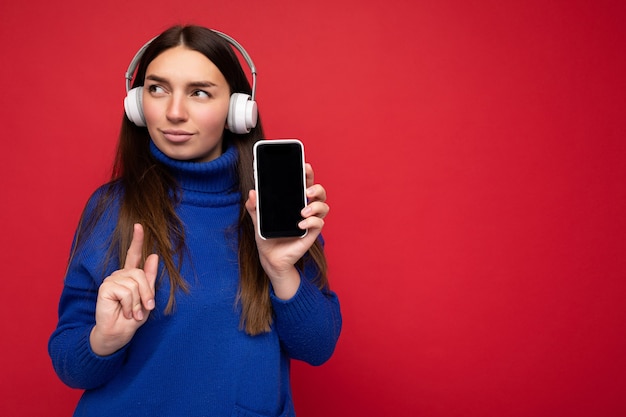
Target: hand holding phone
280	183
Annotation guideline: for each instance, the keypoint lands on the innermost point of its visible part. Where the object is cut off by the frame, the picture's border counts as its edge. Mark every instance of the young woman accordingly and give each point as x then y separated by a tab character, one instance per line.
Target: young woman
172	304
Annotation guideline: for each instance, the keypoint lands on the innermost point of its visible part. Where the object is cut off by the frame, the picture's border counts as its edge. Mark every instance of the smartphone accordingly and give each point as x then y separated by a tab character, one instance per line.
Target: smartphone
280	183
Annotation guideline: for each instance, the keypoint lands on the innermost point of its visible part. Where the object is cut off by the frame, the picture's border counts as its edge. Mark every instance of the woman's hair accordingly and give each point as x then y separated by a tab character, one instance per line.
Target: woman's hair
150	192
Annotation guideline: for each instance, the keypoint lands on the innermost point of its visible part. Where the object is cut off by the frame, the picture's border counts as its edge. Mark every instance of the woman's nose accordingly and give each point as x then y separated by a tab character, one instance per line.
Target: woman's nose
176	110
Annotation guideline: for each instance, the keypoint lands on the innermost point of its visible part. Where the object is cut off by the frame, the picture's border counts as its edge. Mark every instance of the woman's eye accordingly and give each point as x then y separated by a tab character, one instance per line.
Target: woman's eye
155	89
200	93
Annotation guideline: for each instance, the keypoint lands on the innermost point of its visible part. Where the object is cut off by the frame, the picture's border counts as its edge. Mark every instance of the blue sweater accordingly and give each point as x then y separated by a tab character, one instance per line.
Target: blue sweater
196	361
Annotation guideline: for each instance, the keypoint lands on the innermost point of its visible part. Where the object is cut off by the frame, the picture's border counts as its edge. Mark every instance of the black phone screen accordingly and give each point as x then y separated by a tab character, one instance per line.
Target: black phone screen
280	188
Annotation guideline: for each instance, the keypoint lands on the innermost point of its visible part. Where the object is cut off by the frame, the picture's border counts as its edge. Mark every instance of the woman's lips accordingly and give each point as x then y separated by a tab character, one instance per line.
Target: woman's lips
177	136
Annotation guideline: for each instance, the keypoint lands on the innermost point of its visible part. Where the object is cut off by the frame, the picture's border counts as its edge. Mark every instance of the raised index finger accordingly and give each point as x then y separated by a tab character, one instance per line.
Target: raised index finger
135	251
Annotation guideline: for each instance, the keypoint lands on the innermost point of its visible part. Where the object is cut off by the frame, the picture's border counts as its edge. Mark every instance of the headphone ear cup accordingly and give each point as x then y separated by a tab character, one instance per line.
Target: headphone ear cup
242	113
133	105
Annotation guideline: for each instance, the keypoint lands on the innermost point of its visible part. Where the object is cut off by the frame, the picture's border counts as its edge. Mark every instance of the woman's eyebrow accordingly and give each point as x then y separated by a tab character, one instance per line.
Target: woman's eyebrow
156	78
203	84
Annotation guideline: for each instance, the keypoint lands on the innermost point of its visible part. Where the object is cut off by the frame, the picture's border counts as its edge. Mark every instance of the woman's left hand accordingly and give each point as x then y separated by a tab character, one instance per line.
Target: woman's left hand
279	255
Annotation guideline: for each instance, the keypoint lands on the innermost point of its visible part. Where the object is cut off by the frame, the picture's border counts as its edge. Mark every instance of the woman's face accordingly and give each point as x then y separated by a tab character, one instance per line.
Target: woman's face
185	103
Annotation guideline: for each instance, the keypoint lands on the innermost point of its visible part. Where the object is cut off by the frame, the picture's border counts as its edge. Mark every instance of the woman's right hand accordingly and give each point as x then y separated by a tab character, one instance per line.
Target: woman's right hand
125	300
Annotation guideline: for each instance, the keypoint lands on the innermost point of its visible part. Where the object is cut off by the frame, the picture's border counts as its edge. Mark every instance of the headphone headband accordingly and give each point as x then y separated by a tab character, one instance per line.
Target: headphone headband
135	61
245	56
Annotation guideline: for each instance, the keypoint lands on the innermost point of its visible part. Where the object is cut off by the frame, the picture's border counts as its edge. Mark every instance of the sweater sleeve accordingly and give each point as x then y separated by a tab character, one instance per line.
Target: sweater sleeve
69	348
309	323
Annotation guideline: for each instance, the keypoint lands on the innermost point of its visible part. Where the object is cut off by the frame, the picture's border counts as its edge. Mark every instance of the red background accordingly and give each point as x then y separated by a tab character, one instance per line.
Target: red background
474	157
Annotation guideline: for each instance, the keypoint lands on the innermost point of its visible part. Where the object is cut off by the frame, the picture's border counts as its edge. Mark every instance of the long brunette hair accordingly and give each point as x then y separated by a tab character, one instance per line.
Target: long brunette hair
150	194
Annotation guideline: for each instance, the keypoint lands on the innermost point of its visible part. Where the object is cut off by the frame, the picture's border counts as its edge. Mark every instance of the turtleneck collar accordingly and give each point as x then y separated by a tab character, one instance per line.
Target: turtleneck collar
212	183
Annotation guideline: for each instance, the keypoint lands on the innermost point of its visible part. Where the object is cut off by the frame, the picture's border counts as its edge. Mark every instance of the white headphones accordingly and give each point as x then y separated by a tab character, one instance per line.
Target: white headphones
242	111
